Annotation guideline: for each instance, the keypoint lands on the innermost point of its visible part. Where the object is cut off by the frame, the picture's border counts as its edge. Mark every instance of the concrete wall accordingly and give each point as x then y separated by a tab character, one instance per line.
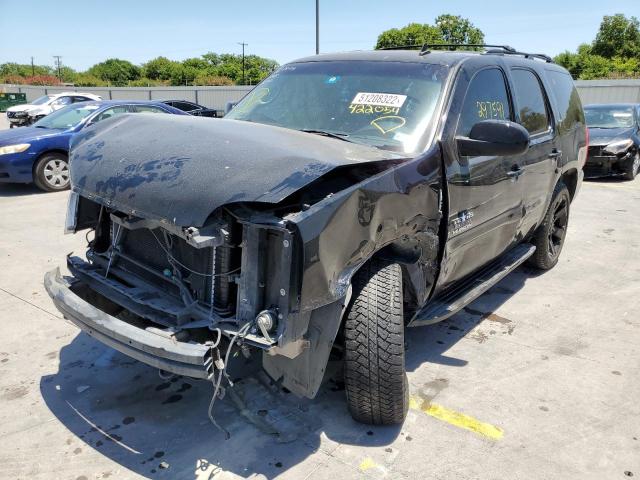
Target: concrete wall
211	97
591	91
609	91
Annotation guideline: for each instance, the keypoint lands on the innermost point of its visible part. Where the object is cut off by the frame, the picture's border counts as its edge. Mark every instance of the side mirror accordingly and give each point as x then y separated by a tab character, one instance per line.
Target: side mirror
229	106
494	137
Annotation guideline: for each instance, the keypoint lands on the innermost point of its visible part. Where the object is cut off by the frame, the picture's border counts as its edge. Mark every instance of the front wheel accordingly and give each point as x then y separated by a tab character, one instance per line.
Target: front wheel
550	235
633	168
374	371
52	172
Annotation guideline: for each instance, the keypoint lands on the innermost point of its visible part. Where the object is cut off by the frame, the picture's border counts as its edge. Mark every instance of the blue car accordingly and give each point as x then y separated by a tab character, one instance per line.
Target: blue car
39	153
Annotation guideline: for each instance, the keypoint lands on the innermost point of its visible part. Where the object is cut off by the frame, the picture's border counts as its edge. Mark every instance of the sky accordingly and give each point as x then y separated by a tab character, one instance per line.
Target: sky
87	32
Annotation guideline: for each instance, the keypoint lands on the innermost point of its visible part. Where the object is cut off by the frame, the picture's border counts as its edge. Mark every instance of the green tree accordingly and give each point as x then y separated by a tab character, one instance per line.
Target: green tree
160	68
456	29
24	70
115	71
412	34
447	29
617	36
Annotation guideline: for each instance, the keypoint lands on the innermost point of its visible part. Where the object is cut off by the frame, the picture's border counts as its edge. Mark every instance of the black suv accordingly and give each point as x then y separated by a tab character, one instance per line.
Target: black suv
346	198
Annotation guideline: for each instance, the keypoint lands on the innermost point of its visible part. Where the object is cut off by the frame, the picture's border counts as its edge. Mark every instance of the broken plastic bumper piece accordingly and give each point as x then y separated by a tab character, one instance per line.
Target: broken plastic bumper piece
166	353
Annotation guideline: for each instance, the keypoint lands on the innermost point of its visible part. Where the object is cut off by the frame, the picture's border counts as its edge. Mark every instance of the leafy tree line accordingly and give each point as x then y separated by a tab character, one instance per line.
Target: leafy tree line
614	53
209	69
452	29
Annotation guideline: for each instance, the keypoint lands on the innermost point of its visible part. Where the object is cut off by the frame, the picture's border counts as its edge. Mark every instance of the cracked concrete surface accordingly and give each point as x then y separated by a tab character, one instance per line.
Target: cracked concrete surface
550	360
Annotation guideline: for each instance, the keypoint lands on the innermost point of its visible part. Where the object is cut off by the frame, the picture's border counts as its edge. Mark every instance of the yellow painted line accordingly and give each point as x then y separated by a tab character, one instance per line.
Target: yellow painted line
367	464
456	418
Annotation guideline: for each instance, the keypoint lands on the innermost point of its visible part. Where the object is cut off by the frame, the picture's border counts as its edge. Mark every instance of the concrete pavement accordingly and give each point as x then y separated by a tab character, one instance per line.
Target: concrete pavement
535	380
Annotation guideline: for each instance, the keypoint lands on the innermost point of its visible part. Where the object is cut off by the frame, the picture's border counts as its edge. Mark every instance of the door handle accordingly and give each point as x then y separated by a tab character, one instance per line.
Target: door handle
515	171
555	153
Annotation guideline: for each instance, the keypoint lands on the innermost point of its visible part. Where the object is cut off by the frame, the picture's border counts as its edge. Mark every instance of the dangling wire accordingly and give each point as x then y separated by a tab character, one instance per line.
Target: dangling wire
222	372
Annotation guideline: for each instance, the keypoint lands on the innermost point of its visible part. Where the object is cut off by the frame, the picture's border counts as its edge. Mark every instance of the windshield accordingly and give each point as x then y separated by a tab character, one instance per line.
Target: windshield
388	105
609	117
67	117
41	100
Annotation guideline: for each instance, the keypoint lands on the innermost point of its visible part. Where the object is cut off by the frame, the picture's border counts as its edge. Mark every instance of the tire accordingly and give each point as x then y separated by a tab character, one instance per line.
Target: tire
633	168
374	371
51	173
550	235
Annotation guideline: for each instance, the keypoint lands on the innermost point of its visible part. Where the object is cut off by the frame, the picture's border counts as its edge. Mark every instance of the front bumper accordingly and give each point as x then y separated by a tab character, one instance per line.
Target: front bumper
182	358
17	167
601	165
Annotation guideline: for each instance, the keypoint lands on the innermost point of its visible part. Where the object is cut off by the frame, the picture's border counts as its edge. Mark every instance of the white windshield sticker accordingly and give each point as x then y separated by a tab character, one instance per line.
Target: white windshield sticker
380	99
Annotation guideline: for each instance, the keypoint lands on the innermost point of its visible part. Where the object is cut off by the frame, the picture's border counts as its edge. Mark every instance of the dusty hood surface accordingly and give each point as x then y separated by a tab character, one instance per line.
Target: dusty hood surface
182	168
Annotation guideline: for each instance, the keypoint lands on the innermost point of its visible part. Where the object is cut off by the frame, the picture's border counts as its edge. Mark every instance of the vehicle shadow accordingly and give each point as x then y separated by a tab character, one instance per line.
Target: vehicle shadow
430	343
19	189
159	428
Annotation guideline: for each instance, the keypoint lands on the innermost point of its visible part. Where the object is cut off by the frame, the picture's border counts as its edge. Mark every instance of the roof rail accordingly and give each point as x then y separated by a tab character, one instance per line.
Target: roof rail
402	47
427	47
492	49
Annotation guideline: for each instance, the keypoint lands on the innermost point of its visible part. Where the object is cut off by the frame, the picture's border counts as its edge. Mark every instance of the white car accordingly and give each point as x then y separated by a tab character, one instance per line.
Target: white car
28	113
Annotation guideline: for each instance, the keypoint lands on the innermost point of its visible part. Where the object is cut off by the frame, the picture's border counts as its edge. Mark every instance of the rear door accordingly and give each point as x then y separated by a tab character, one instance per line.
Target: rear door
540	162
485	194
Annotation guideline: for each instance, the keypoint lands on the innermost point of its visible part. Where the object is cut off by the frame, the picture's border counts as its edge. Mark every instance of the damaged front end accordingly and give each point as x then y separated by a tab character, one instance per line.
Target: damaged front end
148	287
186	253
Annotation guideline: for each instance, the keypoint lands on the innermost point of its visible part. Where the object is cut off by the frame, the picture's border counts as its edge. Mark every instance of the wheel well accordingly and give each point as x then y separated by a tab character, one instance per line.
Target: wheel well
35	163
570	179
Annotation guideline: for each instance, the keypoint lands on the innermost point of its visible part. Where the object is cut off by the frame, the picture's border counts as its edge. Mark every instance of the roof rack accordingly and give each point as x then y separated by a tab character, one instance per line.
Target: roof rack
427	47
491	49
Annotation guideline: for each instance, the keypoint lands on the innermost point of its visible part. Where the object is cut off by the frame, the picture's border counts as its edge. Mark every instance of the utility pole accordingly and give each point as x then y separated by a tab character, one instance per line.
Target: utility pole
33	68
317	27
58	63
243	45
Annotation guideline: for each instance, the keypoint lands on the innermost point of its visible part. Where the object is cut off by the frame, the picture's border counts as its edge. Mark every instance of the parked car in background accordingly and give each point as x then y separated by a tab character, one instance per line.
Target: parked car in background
614	140
347	197
192	108
28	113
39	153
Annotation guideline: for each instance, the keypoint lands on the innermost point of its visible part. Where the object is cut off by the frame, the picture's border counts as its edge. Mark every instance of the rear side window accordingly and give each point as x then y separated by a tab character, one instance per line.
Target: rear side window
567	99
149	109
111	112
530	100
486	99
184	106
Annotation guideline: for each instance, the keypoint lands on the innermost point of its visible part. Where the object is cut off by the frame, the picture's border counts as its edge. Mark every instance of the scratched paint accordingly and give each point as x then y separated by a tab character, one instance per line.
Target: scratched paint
457	419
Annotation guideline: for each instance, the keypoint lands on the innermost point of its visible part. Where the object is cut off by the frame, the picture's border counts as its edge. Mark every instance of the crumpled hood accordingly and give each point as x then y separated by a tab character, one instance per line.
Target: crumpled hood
181	168
25	107
605	136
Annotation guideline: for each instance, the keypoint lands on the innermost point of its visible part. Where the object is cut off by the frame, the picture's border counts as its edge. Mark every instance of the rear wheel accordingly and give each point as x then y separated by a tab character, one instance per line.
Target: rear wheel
633	168
549	238
52	172
374	371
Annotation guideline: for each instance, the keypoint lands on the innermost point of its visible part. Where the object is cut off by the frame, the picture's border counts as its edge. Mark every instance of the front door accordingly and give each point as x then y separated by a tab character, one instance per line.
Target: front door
485	192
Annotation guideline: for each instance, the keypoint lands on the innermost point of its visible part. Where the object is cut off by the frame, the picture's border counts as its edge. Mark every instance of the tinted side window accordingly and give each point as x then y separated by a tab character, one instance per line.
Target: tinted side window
530	100
111	112
149	109
486	99
184	106
567	99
